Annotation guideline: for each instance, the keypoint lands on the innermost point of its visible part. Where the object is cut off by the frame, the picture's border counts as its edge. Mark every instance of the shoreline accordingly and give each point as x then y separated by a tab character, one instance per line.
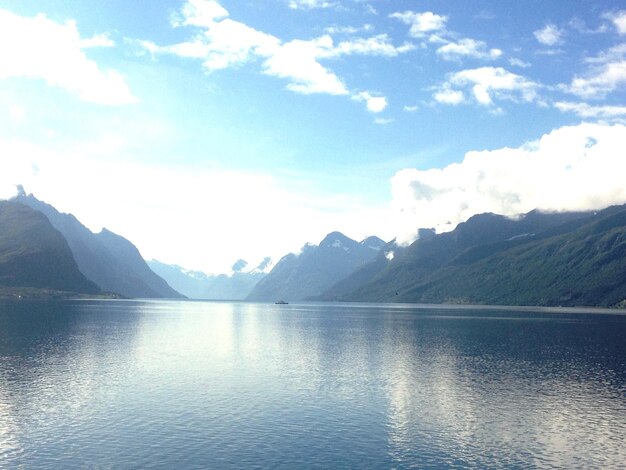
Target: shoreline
22	293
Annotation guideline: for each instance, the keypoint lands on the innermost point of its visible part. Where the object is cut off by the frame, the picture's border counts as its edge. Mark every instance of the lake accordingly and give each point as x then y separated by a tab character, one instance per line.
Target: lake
169	384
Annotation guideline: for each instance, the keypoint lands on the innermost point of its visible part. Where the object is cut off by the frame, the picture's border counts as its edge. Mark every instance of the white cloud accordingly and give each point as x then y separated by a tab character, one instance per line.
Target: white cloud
99	40
468	48
421	23
600	80
369	8
374	104
310	4
572	168
550	52
519	63
581	26
225	43
585	110
613	54
297	61
202	13
549	35
606	74
411	108
383	121
376	45
229	43
349	29
619	20
487	83
41	48
447	96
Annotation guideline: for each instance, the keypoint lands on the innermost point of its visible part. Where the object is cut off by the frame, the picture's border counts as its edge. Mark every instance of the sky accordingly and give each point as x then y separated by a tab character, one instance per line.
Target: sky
208	131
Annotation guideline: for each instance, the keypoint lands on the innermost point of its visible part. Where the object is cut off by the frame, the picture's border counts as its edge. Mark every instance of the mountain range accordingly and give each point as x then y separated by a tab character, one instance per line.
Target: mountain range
567	259
108	260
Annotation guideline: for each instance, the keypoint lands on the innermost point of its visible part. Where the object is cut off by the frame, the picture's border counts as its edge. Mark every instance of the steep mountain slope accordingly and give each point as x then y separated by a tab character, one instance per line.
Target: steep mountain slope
316	268
541	259
110	261
369	271
361	275
139	274
199	285
34	254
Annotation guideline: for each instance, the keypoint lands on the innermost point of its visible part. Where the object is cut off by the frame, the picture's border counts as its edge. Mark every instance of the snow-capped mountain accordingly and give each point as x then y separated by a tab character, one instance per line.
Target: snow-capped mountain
235	285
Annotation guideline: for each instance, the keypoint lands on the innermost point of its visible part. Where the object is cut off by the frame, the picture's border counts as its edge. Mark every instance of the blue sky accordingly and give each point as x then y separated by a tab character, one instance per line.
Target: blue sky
207	131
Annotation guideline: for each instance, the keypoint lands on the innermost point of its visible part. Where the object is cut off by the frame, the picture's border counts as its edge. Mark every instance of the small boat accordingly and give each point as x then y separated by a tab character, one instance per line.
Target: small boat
281	302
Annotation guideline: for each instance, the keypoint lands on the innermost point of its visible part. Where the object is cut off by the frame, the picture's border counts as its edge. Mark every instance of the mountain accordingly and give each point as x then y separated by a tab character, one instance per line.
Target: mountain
33	254
113	263
368	272
540	259
316	268
373	243
199	285
362	275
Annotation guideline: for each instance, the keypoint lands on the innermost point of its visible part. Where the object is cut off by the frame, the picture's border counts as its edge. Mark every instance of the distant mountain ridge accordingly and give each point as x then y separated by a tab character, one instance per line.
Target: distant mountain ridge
540	259
308	274
33	254
199	285
110	261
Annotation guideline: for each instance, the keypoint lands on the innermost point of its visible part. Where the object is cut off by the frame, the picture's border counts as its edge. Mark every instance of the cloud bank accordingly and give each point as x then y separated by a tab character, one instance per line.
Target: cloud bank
572	168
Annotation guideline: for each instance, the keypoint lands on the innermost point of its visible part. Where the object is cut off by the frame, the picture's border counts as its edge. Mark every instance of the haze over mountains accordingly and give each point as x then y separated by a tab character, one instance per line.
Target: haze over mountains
34	254
569	259
199	285
108	260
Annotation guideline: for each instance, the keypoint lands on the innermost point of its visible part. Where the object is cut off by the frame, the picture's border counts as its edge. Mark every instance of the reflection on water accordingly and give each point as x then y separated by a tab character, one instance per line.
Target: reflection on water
195	384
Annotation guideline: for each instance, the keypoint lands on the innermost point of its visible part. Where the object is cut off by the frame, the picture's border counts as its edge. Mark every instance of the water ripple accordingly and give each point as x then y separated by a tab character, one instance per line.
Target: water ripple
218	385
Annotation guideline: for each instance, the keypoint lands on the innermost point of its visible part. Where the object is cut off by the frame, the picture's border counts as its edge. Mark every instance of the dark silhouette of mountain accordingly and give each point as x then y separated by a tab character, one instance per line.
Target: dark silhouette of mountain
199	285
109	260
33	254
539	259
316	268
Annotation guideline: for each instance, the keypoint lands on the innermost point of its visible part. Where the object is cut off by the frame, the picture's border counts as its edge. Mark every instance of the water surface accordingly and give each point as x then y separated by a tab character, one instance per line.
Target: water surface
233	385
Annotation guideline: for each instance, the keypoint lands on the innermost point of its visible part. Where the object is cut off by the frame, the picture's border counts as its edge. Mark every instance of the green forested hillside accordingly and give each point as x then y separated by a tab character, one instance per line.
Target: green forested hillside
578	260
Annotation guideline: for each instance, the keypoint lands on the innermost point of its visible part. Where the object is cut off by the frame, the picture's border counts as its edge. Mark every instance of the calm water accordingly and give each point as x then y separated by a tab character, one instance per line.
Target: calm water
130	384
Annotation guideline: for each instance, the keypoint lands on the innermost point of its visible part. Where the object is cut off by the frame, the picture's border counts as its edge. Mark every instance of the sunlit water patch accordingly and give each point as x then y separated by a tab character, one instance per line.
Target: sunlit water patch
219	385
